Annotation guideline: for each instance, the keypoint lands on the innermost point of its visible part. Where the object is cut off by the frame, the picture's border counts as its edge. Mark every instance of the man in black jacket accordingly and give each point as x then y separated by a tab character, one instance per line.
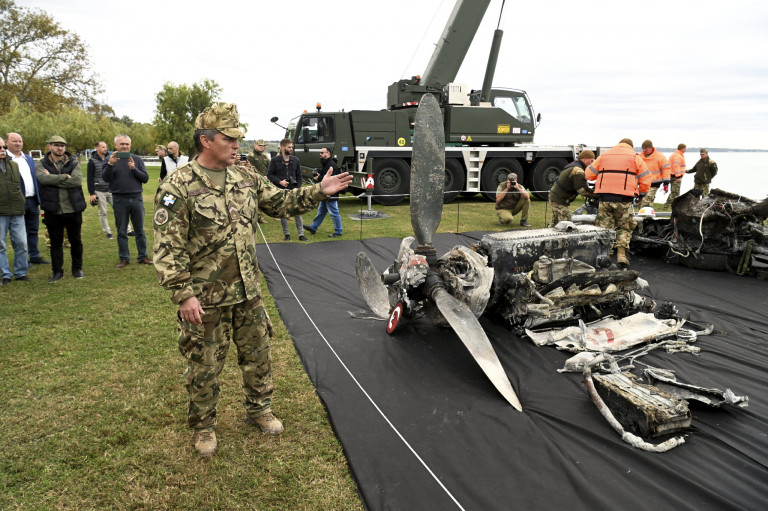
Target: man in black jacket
285	172
126	175
330	206
62	199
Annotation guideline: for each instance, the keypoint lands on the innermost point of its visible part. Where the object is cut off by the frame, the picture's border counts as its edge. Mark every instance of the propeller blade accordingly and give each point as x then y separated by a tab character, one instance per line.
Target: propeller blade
373	291
427	170
473	336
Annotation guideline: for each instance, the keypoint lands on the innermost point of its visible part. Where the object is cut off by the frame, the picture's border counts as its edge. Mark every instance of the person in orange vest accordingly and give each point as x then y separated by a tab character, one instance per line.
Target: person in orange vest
659	167
618	174
676	173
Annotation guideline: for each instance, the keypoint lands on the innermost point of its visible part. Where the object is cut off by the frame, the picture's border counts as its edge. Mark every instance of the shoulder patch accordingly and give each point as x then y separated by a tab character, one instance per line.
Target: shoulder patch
161	216
169	200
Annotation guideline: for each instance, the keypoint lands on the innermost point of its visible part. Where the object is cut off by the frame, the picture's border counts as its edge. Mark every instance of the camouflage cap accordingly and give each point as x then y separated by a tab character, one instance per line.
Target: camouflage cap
703	151
221	117
259	142
56	140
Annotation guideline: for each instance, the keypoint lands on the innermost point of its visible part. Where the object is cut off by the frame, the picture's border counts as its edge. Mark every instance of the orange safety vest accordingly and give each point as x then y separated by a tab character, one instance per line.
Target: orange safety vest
619	171
677	162
658	164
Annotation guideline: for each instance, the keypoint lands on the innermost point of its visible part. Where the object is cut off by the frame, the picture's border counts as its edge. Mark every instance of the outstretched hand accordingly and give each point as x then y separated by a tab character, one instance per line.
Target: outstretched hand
334	184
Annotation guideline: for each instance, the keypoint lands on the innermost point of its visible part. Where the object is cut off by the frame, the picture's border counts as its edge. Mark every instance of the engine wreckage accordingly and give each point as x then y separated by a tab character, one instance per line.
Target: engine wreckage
555	286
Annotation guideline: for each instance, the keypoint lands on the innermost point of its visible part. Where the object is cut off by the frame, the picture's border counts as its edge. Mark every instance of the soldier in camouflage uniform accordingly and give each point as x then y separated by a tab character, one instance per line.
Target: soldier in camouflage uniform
705	170
259	159
619	174
205	254
570	183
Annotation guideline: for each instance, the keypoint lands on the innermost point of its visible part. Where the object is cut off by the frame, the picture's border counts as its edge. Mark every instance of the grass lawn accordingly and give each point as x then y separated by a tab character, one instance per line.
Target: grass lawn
94	407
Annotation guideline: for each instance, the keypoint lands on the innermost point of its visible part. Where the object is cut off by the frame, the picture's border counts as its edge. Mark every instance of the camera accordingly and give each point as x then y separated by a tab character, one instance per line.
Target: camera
291	180
243	157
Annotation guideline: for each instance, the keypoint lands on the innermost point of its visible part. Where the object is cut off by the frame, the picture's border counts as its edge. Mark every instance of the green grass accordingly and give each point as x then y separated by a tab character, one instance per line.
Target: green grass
94	407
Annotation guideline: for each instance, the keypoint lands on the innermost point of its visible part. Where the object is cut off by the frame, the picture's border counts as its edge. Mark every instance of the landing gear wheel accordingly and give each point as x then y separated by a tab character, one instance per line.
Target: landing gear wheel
394	317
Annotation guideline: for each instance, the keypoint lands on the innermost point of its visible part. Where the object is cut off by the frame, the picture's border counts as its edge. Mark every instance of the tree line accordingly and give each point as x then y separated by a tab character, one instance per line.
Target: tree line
47	88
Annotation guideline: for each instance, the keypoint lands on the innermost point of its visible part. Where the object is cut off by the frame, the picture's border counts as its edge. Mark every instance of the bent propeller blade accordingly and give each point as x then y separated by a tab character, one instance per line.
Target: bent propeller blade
473	336
427	170
373	291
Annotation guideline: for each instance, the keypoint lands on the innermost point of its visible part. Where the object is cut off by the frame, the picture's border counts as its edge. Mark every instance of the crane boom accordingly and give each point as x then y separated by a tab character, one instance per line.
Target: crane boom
454	42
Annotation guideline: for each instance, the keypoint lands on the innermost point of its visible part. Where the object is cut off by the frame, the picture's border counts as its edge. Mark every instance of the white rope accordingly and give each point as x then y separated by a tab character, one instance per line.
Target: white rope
359	385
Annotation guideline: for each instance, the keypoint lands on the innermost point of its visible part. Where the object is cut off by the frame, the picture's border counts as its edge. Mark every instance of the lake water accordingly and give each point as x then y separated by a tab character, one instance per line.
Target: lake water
744	173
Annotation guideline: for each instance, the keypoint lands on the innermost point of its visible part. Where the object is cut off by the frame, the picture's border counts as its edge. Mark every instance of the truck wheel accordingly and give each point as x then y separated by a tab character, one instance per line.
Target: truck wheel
545	173
454	179
495	173
392	181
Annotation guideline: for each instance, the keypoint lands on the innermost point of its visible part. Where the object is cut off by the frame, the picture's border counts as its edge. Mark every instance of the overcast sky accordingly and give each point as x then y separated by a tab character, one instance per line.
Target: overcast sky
597	71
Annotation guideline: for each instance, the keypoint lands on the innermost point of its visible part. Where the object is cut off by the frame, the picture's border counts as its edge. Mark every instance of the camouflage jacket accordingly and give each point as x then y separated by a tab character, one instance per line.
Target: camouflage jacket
260	161
205	238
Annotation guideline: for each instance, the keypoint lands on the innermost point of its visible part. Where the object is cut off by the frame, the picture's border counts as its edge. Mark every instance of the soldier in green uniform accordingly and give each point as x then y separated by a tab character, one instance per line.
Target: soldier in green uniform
511	199
705	169
259	159
570	183
205	254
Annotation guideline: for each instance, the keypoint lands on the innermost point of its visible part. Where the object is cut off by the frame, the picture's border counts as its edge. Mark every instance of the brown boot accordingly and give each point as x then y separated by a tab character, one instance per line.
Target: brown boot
268	423
205	443
621	257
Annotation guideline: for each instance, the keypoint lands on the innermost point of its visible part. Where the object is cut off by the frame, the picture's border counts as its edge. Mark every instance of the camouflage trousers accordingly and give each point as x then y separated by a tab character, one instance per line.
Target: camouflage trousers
674	191
704	189
506	216
619	216
560	213
205	348
649	197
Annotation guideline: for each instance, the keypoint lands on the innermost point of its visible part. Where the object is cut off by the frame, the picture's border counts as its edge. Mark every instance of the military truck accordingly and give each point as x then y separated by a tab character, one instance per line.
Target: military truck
488	132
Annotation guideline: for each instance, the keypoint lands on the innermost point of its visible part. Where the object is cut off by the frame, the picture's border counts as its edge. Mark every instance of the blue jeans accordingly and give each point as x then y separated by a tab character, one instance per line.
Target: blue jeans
32	223
14	224
129	208
331	207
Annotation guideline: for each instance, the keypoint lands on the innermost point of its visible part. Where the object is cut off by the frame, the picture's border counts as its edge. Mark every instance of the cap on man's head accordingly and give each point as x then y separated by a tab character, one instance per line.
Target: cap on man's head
627	141
586	153
647	144
56	140
512	176
703	151
221	117
260	142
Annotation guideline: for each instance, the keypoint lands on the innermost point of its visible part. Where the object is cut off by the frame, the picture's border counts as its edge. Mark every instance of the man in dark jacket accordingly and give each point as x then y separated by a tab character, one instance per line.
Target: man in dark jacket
98	189
126	175
62	200
31	193
12	219
704	171
285	172
570	183
332	204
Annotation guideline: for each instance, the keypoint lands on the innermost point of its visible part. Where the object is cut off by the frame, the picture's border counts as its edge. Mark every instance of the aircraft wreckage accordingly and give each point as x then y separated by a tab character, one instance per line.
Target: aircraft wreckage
555	286
721	231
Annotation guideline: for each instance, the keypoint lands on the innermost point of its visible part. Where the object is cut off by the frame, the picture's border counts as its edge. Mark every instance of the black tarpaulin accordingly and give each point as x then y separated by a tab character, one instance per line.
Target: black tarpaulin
423	428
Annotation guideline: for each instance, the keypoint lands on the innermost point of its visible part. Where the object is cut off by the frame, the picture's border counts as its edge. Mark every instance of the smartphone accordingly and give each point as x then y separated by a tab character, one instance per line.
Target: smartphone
243	157
123	154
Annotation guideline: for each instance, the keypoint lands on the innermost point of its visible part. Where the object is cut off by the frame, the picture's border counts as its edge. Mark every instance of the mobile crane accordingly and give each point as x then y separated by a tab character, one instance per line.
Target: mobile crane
488	132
